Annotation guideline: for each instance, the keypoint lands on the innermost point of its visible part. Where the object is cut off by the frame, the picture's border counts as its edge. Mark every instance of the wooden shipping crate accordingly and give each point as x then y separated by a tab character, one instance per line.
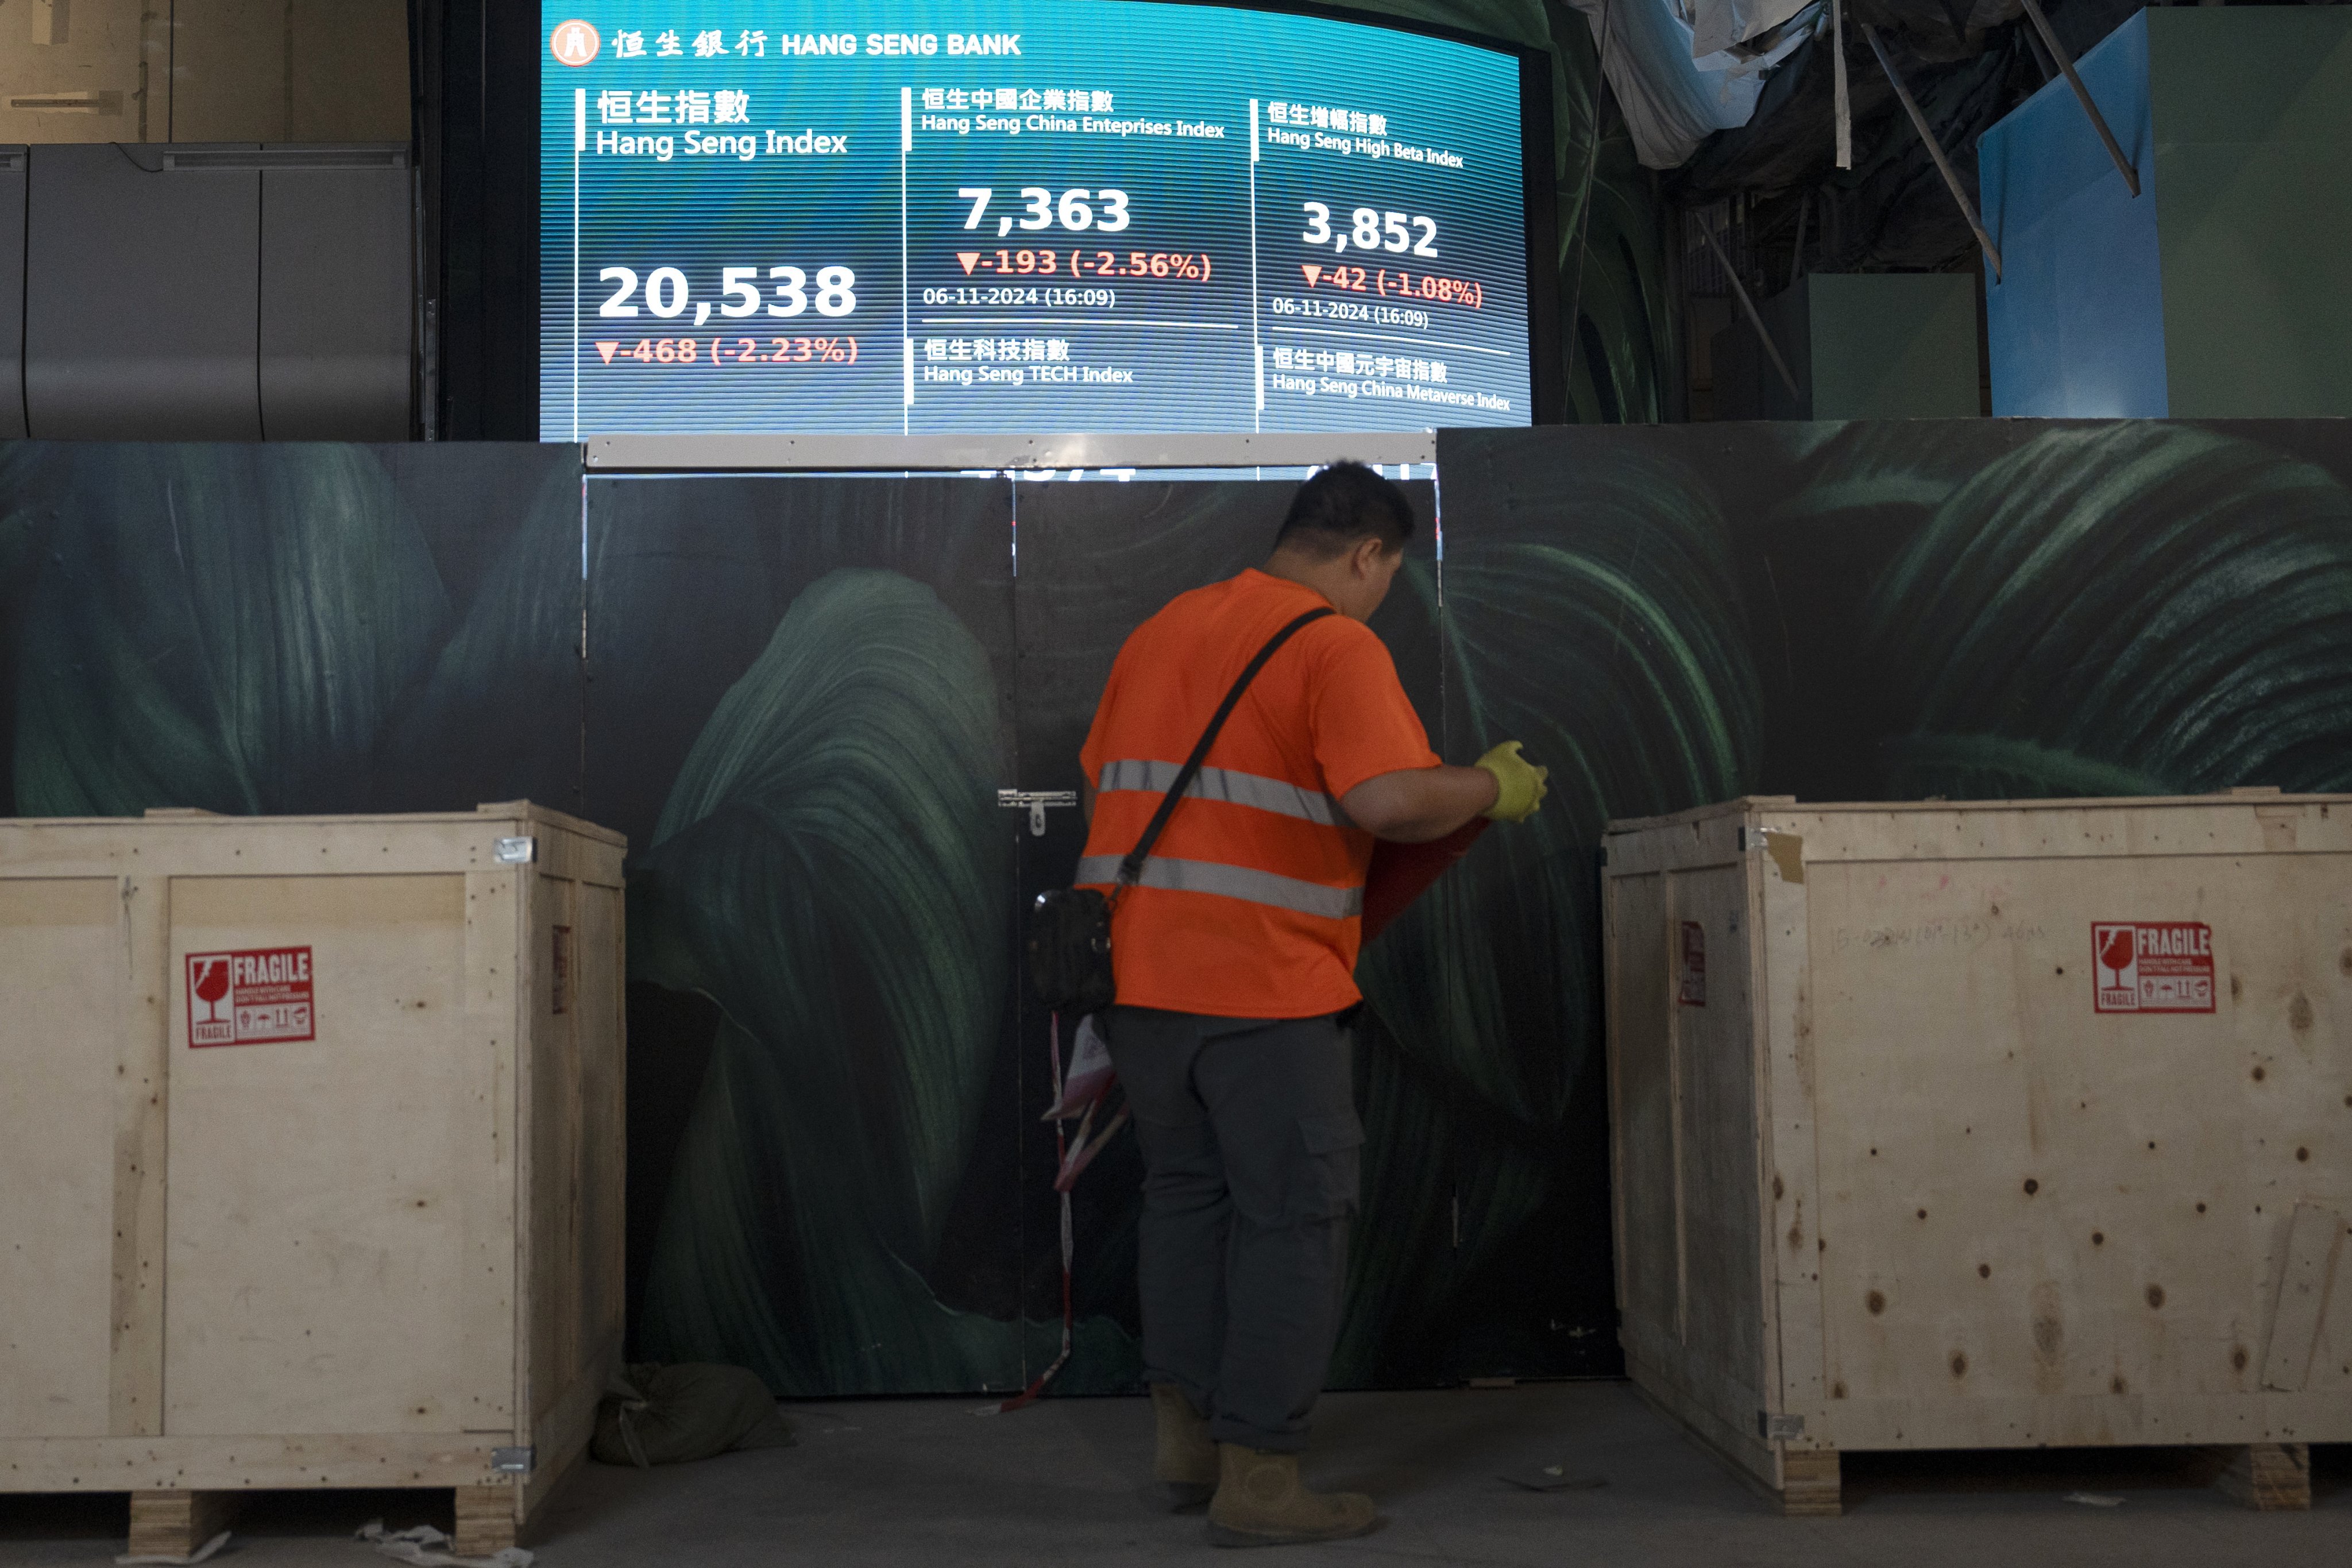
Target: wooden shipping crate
2001	1124
310	1156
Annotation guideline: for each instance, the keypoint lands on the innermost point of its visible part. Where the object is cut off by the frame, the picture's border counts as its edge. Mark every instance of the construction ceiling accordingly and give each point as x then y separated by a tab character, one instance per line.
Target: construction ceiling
1967	62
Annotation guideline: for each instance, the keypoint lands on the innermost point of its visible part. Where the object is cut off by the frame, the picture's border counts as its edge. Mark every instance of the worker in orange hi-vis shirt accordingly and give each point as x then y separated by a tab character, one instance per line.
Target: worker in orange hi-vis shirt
1235	956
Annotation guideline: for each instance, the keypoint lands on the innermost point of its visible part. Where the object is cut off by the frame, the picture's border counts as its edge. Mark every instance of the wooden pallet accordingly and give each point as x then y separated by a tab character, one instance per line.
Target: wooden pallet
1811	1484
177	1524
486	1521
2269	1476
2265	1476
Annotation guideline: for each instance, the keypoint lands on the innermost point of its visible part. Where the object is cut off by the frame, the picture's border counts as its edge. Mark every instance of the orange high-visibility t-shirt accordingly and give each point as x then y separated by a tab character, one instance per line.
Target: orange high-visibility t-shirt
1250	904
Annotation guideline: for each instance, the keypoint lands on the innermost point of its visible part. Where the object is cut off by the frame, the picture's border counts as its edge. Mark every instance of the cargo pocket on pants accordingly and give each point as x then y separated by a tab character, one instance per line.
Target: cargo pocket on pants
1329	1185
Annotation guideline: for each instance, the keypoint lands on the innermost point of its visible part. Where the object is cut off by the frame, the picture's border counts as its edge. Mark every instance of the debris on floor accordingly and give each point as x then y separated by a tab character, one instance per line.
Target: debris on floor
198	1555
1554	1478
2095	1499
422	1545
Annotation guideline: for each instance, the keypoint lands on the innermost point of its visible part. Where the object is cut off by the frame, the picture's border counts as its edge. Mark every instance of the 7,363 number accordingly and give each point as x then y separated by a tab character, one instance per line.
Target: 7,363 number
1075	211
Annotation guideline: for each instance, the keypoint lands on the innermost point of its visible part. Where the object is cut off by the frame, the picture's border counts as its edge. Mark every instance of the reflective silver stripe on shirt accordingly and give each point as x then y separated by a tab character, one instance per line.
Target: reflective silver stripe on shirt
1226	785
1232	882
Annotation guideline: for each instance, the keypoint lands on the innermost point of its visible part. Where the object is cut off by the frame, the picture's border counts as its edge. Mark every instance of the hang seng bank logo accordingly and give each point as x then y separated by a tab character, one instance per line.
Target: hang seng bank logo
575	43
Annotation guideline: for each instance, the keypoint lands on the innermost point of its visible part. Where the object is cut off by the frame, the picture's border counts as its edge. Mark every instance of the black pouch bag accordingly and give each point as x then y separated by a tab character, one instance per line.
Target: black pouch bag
1068	937
1069	951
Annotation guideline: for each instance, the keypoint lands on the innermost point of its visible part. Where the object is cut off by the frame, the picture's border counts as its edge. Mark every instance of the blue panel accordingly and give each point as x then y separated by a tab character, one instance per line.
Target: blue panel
2076	324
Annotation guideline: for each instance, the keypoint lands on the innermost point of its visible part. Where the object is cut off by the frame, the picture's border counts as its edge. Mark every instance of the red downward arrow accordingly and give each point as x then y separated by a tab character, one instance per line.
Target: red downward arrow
970	259
1312	271
606	349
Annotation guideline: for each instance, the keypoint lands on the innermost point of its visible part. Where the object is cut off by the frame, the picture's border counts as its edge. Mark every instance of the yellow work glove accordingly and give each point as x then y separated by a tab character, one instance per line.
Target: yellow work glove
1522	782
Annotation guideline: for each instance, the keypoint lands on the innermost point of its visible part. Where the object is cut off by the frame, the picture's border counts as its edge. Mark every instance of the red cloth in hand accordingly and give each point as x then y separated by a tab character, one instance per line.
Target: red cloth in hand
1403	872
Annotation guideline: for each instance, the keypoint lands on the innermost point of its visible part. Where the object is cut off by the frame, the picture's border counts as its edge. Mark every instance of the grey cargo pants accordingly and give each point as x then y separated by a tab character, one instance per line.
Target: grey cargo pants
1252	1161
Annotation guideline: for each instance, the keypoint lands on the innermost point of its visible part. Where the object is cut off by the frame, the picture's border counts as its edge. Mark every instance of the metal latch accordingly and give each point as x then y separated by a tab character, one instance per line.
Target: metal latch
1035	801
517	852
1775	1429
514	1461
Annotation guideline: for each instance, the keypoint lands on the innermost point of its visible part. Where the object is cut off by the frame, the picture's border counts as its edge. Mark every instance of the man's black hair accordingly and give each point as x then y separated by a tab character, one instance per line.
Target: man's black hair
1342	505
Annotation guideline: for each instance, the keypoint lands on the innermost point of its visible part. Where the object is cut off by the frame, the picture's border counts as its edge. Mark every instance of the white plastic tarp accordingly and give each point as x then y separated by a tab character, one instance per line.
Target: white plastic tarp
1716	24
1672	100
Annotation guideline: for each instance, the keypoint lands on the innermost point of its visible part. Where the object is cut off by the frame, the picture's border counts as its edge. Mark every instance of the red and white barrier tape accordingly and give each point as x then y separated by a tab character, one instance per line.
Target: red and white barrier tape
1061	1155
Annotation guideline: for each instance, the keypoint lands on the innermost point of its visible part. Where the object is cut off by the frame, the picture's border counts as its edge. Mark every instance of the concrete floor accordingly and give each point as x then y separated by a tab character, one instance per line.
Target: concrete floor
925	1483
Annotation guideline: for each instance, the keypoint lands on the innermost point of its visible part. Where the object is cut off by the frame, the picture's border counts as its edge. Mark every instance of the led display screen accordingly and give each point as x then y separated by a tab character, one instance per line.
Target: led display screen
916	218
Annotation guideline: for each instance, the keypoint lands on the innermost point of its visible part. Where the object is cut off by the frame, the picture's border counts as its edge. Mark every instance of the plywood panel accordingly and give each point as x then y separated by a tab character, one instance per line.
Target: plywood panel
298	1263
553	1175
2001	1212
2314	1239
1791	1166
141	1087
2069	830
1723	1307
1641	1099
323	1192
493	1024
2032	1200
2330	1373
64	970
131	1464
207	846
601	1156
2085	1420
2286	1007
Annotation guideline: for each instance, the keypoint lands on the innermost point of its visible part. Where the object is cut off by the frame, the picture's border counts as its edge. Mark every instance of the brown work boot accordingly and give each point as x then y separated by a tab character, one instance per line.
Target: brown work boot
1185	1460
1260	1501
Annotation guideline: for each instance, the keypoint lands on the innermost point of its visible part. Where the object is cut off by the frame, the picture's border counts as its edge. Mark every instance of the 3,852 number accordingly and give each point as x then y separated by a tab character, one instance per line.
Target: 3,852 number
1370	230
667	293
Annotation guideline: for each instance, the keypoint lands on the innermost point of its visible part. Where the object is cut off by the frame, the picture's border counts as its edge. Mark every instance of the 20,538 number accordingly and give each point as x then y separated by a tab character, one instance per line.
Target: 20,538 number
667	293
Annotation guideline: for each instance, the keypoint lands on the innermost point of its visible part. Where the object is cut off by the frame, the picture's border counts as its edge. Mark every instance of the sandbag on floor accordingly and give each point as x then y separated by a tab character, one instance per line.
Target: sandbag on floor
656	1415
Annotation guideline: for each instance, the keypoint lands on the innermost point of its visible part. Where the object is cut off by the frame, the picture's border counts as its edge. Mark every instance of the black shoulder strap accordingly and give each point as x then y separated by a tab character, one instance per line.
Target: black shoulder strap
1131	868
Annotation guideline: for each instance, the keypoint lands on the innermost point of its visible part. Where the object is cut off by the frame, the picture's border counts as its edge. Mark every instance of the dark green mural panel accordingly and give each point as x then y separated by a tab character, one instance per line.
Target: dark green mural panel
799	698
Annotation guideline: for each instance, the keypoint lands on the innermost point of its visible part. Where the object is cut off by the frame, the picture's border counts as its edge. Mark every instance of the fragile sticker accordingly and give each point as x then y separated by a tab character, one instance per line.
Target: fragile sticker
250	998
1694	986
2152	966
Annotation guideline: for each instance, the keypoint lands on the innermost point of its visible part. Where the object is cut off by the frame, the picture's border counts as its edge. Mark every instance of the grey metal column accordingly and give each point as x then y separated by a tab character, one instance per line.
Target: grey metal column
1754	319
2083	95
12	293
1934	149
